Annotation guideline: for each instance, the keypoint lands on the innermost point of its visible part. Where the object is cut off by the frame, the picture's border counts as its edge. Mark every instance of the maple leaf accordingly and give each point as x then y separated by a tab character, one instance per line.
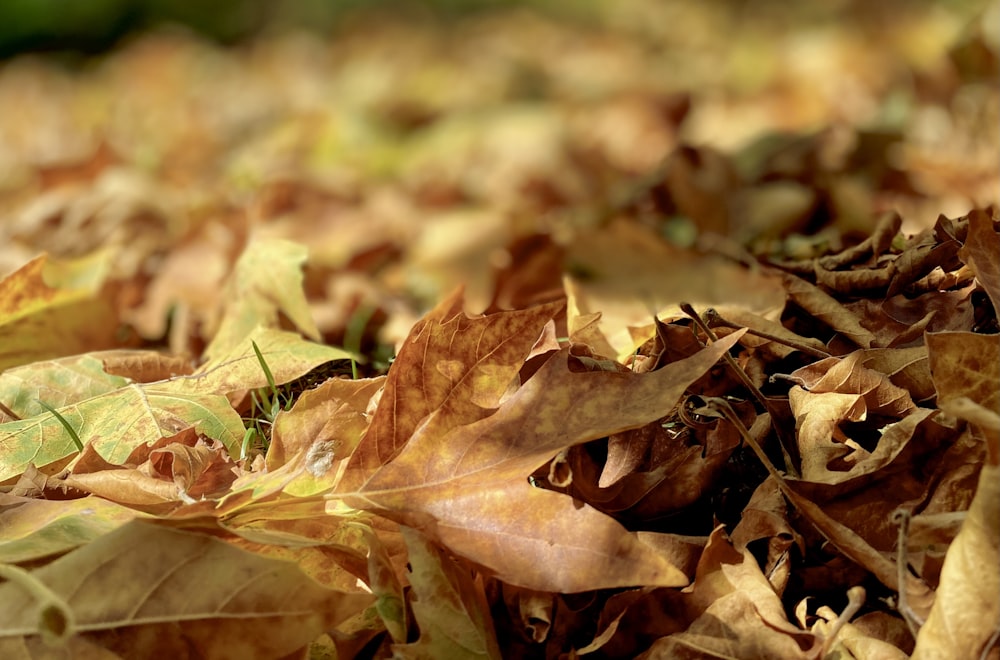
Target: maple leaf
52	308
137	581
265	281
441	461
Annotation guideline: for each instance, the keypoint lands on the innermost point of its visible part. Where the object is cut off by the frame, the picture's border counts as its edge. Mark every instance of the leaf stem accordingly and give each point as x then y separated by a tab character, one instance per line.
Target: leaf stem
55	618
783	441
716	320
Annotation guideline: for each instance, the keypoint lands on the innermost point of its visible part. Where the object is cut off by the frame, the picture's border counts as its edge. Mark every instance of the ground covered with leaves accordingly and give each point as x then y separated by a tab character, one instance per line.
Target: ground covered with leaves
661	330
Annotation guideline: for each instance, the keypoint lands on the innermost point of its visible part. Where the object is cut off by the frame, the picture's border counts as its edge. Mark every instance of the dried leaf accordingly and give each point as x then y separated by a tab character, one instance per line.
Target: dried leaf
469	485
847	375
130	591
963	621
322	429
965	364
982	253
449	607
827	310
266	281
739	615
435	384
114	424
56	382
53	308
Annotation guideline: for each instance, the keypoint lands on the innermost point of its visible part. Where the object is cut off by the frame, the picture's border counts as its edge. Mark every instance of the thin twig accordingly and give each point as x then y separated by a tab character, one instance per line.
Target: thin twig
745	379
716	320
855	599
10	413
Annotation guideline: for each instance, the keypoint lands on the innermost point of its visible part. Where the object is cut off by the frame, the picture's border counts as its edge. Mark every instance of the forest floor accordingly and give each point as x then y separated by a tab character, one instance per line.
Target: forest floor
661	330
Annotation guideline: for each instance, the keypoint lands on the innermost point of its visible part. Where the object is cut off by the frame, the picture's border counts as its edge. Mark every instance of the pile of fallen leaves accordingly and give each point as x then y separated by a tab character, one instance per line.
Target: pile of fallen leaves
513	336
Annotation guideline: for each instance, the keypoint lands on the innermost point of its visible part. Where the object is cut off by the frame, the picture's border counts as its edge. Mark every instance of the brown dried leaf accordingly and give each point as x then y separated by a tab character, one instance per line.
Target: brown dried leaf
146	590
321	430
982	252
452	370
964	619
827	310
51	308
143	366
826	453
740	614
875	244
965	364
908	368
847	375
919	260
462	473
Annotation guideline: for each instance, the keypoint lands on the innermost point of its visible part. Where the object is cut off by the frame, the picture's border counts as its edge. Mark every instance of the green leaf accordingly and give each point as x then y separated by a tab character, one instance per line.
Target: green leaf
115	424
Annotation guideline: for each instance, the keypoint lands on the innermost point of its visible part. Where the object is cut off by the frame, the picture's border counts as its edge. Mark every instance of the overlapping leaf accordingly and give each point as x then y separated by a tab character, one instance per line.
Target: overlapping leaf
50	308
462	472
115	424
145	589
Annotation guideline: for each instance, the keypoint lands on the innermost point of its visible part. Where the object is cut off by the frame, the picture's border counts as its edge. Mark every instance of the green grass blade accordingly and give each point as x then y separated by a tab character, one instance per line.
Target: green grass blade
267	370
65	424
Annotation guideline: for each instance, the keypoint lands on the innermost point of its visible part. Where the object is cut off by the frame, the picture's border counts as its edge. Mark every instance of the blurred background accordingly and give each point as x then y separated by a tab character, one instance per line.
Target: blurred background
414	146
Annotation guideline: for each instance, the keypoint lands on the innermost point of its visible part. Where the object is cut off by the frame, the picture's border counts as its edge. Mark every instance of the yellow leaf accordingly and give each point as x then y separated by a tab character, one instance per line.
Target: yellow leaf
52	308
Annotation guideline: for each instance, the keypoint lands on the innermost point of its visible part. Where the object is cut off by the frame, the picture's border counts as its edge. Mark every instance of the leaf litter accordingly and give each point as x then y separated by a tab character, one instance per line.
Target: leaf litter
567	360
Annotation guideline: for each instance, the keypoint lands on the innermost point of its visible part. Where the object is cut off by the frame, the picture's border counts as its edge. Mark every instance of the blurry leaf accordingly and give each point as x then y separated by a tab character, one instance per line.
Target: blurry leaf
329	548
531	611
143	366
874	245
919	260
288	356
34	528
964	619
387	587
51	308
621	271
56	382
266	282
132	591
982	253
449	607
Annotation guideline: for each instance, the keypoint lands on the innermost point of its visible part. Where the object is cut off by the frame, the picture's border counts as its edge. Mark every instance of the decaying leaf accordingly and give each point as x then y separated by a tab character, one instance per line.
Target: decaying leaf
448	605
129	591
52	308
964	619
266	281
114	424
467	483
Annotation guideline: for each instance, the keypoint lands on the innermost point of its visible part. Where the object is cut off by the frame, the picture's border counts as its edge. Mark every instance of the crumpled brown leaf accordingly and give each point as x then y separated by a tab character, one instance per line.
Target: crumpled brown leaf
466	482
